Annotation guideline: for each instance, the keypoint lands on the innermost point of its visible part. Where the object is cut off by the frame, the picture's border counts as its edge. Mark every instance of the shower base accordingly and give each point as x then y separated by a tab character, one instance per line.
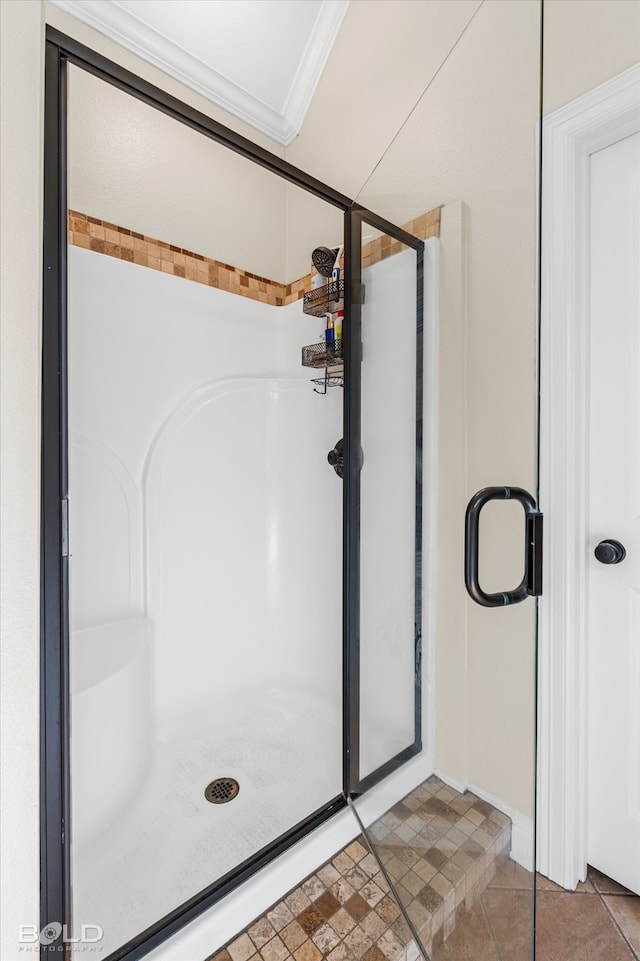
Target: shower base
285	753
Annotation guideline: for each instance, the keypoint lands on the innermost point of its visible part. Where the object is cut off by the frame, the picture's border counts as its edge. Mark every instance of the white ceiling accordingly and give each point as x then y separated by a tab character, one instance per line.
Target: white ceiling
259	59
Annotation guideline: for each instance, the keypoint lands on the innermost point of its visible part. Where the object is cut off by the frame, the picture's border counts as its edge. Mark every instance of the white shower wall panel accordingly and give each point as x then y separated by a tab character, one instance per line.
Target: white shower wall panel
141	341
244	567
192	403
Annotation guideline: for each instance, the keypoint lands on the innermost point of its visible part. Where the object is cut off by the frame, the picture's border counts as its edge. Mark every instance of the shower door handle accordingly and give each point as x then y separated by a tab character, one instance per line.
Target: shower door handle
531	584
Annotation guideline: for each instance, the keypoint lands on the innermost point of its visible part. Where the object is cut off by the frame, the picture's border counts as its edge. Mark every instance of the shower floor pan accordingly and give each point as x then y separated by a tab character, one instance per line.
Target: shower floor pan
285	753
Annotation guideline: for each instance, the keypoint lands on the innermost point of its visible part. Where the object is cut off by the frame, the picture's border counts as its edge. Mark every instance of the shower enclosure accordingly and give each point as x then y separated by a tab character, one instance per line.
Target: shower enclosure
237	643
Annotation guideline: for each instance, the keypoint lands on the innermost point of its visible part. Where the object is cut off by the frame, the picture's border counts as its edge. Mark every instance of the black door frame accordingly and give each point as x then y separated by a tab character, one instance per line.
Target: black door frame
55	899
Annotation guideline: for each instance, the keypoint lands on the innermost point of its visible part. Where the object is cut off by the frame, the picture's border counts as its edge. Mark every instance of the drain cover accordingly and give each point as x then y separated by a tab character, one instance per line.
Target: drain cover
221	790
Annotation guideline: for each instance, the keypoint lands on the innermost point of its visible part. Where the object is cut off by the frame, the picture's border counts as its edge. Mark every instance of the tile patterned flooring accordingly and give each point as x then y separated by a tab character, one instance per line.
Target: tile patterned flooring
598	922
447	857
440	849
343	912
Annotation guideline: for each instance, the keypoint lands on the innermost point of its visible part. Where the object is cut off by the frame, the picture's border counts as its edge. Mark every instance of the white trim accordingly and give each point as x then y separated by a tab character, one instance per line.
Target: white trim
312	64
521	838
150	45
605	115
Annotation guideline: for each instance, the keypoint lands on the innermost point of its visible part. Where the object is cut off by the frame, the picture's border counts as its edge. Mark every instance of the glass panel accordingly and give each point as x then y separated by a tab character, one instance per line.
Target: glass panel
454	826
205	522
391	333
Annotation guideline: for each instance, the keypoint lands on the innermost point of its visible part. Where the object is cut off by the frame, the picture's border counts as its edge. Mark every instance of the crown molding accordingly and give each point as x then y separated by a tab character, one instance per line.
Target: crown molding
116	23
312	63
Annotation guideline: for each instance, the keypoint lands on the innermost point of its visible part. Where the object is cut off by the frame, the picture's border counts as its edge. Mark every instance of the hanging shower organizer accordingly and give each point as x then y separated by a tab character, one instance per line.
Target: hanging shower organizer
328	299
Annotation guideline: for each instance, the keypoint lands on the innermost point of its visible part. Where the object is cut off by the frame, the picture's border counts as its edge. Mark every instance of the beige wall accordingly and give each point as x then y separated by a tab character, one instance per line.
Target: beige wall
485	658
234	211
472	137
21	63
470	144
383	57
605	36
124	156
472	715
119	167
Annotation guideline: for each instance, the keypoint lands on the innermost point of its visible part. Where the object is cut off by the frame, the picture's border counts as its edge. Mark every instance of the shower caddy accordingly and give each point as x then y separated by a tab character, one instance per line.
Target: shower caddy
327	299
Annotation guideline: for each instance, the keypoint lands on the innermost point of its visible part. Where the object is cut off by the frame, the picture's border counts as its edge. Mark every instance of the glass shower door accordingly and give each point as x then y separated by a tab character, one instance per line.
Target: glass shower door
445	547
383	483
196	445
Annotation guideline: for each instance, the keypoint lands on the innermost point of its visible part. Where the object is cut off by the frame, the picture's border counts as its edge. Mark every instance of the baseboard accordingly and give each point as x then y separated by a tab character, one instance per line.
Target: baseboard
522	833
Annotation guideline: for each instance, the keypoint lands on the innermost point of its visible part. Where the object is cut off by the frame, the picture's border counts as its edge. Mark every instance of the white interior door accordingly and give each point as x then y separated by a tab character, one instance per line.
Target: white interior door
614	513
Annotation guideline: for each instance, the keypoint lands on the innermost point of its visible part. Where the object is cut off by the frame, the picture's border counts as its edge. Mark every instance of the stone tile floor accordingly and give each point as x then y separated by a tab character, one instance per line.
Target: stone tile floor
598	922
343	912
440	849
446	856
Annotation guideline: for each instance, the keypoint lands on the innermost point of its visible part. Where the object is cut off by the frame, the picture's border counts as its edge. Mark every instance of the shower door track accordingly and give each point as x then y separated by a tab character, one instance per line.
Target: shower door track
55	876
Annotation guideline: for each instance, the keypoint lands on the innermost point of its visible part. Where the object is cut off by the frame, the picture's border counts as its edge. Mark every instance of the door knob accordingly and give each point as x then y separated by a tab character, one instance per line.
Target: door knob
610	552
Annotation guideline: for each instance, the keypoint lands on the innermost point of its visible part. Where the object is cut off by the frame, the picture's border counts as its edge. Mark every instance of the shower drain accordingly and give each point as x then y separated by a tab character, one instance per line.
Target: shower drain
221	790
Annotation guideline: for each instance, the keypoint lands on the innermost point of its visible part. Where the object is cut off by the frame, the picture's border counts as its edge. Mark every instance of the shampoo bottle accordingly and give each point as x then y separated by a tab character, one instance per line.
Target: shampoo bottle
330	335
338	331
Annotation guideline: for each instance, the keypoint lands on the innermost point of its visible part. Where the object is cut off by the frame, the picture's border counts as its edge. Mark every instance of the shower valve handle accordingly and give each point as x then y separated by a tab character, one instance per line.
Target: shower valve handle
336	457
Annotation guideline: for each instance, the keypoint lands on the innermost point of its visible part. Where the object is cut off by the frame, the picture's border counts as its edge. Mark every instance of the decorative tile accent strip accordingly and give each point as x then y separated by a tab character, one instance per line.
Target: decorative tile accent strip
125	244
440	849
423	227
343	912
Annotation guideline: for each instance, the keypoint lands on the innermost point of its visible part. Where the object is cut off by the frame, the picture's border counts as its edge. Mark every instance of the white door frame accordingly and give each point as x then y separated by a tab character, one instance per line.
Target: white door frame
571	134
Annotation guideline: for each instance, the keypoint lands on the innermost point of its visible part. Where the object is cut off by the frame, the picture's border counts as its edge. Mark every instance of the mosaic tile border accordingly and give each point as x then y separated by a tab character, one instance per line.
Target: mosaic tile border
103	237
125	244
342	912
425	226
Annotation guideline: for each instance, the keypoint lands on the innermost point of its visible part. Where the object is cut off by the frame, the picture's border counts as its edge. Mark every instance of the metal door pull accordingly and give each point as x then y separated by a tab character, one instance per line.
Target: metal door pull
531	584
